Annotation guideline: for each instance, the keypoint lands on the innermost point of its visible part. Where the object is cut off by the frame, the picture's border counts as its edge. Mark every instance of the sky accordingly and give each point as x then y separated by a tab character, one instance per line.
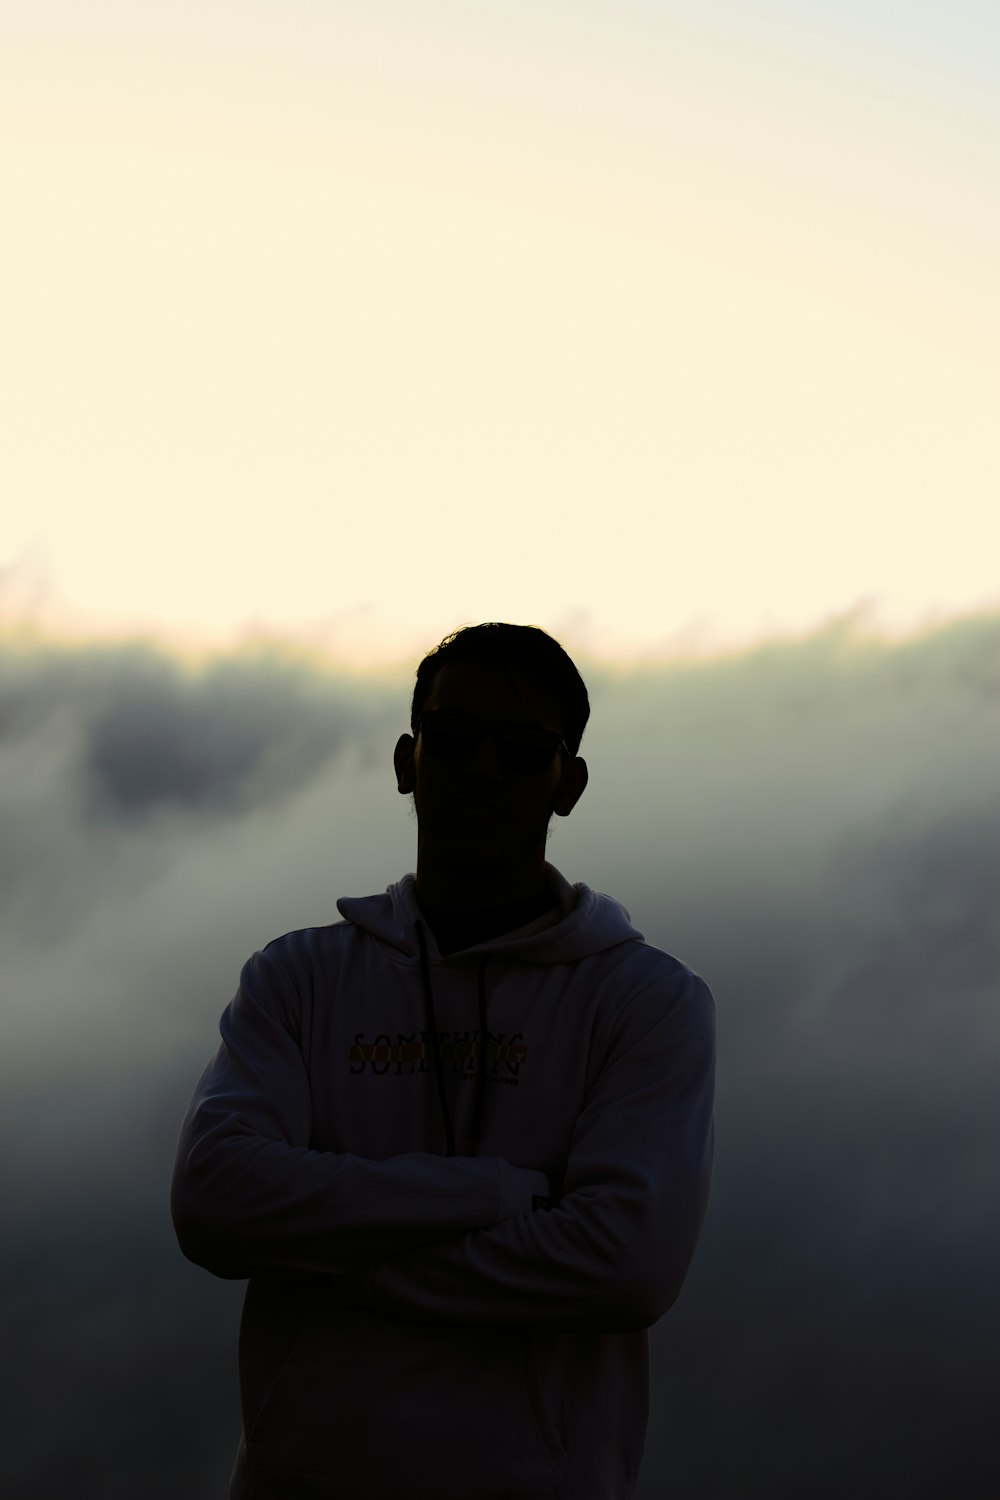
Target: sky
667	327
671	328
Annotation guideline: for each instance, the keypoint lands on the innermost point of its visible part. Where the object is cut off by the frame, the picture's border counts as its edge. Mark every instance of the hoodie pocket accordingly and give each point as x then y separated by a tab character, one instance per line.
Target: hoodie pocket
396	1407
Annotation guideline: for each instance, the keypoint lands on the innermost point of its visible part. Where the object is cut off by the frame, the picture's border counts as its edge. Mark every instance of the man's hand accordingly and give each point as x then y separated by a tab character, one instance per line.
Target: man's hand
556	1181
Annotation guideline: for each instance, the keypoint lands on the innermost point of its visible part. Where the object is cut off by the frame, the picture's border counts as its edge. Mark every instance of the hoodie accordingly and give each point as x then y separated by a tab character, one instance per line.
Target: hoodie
461	1188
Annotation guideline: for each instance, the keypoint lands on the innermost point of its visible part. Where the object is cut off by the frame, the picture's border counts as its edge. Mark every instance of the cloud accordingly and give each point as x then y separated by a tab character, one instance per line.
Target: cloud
810	824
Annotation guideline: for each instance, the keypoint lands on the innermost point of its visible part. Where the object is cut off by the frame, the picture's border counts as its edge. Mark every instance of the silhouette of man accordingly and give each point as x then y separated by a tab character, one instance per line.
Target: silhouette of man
459	1141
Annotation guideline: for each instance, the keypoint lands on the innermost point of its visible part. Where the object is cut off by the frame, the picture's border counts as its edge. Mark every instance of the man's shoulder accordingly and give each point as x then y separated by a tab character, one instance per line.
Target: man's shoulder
306	946
649	975
640	956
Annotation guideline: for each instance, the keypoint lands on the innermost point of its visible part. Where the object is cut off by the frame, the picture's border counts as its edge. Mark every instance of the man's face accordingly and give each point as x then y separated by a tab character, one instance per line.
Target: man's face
476	814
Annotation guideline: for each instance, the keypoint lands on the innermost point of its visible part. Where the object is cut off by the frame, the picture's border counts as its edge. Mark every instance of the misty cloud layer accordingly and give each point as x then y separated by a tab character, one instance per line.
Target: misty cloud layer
812	826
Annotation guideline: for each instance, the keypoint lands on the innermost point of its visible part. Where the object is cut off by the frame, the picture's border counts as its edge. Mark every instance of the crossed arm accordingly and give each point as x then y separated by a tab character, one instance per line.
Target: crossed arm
456	1239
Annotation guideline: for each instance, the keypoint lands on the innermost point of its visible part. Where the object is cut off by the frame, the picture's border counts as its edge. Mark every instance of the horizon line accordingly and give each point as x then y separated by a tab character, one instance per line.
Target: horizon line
693	644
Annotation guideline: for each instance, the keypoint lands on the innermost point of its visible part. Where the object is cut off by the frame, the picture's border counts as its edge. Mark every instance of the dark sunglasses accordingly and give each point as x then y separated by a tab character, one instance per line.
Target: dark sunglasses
519	747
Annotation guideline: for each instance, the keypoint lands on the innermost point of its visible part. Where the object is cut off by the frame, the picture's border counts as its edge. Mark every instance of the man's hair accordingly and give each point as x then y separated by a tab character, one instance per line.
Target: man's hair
523	647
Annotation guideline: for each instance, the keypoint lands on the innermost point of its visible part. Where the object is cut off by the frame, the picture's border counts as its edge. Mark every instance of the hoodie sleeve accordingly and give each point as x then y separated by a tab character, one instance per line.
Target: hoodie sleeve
249	1194
613	1254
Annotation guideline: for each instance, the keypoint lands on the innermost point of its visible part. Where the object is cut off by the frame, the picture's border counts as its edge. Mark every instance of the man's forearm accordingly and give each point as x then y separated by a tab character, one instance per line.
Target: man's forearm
242	1203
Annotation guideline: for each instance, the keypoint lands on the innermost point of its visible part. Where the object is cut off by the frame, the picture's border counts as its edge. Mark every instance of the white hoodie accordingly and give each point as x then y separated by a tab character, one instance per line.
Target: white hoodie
453	1250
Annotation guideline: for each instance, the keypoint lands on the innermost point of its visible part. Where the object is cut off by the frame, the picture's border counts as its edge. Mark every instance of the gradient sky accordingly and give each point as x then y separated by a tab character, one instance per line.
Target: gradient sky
663	326
659	325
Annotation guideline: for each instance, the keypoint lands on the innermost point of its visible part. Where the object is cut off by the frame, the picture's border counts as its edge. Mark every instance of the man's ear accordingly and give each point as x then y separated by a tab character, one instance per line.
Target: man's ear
402	760
571	787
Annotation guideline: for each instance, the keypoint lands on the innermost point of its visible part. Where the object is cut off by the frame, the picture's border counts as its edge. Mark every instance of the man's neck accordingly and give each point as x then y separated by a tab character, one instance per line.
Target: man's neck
444	890
456	928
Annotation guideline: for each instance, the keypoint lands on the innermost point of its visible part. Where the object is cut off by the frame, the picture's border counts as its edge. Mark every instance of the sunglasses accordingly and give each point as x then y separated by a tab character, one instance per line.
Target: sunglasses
525	748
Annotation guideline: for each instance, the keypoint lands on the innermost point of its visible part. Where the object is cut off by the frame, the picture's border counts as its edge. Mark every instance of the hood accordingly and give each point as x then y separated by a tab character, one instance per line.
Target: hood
579	923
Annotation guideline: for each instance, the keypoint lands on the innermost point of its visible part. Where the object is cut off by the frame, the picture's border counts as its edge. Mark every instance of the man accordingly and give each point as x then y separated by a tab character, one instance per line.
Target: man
460	1141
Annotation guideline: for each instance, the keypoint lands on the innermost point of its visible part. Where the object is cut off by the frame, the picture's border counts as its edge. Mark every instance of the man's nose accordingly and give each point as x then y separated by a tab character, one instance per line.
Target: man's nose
486	757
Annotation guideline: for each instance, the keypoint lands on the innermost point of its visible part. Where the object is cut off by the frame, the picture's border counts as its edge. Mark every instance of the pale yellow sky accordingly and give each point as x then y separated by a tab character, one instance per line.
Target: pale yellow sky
357	324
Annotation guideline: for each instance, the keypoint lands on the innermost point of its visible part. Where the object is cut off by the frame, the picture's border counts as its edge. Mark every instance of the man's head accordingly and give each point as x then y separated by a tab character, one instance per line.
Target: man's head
526	648
484	800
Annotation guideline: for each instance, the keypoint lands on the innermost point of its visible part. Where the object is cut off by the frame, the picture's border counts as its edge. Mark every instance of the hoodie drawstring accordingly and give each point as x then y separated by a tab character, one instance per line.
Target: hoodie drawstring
484	1043
431	1023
